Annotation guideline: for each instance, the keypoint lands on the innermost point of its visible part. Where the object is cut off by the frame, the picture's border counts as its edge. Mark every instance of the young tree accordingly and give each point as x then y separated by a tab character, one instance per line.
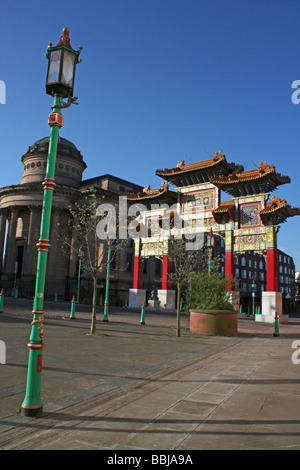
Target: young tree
84	219
184	263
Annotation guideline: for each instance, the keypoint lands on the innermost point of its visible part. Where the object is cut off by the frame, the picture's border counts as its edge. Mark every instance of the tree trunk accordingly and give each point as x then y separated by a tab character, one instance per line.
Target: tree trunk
94	307
178	309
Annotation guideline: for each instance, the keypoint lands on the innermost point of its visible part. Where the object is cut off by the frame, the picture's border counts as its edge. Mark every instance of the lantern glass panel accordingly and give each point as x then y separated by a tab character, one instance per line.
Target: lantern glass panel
67	76
210	240
54	66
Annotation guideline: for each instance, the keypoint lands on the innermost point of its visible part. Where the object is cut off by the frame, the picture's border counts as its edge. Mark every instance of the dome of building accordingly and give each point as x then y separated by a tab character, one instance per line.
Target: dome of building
69	163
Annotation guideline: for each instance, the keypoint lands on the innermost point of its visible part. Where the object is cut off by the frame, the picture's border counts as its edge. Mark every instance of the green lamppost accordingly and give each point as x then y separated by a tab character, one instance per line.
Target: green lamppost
253	287
106	301
60	82
210	243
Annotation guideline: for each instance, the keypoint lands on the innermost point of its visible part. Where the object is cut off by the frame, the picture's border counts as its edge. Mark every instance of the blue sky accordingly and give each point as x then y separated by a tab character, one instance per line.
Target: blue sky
160	81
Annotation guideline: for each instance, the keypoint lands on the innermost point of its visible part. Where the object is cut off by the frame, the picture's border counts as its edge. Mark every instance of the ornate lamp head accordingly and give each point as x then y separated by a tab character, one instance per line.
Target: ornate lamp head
61	67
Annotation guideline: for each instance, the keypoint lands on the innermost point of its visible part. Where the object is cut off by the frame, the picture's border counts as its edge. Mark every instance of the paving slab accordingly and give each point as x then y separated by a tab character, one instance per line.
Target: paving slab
139	387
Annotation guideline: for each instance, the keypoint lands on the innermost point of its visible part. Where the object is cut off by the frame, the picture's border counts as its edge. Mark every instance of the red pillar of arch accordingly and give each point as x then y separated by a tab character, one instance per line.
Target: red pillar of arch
166	272
229	269
137	273
272	273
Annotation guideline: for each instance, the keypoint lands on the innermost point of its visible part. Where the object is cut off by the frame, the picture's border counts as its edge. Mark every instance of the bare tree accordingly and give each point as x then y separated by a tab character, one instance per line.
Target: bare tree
184	263
84	219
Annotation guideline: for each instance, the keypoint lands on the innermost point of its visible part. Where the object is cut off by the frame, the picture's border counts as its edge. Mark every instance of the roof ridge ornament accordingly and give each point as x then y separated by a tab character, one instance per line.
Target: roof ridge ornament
219	155
180	164
146	189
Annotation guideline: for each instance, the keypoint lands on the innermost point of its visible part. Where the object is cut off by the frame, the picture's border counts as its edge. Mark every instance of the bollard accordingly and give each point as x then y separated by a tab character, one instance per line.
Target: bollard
55	297
241	309
142	322
101	300
72	316
276	333
1	300
16	293
258	310
126	303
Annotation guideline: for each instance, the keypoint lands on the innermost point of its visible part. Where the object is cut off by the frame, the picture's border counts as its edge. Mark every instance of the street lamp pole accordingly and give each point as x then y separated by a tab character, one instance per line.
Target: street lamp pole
253	286
60	79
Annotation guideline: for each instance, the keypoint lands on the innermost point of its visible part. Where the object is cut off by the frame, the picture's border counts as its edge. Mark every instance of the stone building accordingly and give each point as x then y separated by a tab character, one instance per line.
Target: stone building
21	210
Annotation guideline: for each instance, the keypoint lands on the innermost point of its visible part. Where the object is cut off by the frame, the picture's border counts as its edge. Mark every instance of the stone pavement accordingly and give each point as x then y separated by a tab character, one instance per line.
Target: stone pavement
135	387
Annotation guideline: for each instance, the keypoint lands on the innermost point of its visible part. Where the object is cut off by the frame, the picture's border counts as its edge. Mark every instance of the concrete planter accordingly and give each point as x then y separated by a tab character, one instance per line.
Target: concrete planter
214	322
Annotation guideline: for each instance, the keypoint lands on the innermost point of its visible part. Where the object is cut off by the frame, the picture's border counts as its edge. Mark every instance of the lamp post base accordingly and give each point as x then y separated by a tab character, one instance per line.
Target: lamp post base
31	411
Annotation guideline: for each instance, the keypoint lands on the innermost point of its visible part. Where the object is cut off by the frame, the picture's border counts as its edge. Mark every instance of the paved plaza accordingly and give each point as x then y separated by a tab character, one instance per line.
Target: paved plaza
136	387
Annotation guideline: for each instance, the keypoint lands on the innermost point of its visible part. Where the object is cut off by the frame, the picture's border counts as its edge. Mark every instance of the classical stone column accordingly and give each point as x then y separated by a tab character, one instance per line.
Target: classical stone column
73	255
53	240
10	251
31	249
2	235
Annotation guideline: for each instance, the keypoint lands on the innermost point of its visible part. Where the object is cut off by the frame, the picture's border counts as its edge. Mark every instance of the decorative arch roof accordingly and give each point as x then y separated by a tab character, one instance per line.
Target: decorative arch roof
199	172
277	211
261	180
157	193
